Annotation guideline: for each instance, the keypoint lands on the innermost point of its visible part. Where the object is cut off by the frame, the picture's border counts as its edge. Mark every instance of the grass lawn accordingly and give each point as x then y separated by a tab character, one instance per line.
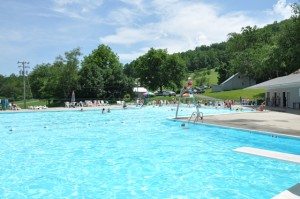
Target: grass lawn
32	102
236	94
210	74
213	77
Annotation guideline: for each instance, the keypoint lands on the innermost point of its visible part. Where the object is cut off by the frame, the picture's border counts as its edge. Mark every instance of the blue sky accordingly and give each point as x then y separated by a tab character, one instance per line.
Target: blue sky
39	30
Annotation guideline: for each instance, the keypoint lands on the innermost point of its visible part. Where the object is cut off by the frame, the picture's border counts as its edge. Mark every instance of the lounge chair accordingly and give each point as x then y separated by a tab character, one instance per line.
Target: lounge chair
103	103
67	104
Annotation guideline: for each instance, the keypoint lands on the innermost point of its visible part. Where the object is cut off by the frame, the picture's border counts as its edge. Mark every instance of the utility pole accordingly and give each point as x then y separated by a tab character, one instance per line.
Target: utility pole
24	72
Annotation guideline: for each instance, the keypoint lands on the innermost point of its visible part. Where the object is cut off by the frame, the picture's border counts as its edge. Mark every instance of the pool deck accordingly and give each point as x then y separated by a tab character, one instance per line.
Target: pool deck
267	121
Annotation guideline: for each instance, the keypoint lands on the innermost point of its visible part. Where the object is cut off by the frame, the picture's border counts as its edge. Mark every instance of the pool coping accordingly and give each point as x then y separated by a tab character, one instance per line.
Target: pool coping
268	133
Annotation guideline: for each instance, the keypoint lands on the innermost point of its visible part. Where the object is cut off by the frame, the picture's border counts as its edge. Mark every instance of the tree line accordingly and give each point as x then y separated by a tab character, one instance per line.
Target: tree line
261	53
100	75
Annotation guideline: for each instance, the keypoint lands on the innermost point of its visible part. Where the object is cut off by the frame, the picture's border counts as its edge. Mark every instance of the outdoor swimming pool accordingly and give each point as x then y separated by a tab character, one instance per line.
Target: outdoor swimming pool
135	153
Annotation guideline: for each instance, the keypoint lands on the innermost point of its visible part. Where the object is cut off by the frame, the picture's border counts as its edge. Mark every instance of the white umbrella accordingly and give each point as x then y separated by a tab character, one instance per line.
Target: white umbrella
73	97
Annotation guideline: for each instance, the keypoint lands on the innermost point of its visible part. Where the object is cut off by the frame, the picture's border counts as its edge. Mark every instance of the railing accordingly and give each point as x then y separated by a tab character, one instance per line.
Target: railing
199	115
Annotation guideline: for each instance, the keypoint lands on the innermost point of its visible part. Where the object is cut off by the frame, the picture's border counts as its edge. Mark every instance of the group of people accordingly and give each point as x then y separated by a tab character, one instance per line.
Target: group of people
14	106
228	104
140	102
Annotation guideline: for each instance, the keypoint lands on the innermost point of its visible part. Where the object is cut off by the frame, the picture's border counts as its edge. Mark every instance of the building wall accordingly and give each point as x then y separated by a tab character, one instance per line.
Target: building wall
236	82
292	95
216	88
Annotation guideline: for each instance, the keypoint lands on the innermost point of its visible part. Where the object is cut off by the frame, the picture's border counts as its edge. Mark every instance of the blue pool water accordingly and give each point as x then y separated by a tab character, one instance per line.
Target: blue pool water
135	153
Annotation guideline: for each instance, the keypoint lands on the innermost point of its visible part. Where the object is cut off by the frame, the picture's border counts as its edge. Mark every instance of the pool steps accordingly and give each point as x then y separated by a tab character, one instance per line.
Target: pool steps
198	115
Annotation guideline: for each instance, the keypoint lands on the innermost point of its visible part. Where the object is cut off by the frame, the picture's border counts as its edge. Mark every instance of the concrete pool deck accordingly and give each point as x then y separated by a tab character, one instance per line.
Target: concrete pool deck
269	121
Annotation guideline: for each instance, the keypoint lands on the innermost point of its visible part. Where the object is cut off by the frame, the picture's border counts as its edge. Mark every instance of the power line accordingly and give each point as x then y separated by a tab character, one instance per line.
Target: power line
24	72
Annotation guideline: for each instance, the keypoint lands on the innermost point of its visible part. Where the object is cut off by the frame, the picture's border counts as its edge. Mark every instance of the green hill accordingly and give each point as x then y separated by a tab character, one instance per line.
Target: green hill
213	77
204	77
260	53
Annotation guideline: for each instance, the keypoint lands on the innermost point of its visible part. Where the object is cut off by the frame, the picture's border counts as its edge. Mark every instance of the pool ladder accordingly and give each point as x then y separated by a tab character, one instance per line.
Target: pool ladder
198	115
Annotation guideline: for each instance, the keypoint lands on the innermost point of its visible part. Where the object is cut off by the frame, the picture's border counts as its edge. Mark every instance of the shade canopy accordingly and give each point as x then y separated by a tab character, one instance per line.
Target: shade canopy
140	90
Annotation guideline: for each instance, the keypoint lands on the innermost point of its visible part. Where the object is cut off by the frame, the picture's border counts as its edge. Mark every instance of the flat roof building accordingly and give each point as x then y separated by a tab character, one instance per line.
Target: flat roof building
283	92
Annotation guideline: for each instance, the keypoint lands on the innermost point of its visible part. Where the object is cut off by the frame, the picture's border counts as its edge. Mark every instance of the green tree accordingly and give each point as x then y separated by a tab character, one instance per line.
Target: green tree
175	70
102	75
12	87
56	80
38	79
68	77
156	69
91	81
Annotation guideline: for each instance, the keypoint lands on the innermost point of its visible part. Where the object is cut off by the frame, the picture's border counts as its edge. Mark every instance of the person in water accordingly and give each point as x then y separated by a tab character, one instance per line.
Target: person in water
103	110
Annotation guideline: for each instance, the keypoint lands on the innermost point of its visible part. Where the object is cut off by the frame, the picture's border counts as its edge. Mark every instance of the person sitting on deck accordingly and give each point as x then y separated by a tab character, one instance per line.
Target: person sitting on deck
262	106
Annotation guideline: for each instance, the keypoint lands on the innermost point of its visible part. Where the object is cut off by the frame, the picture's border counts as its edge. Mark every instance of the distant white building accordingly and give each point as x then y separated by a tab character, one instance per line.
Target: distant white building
236	81
283	91
140	91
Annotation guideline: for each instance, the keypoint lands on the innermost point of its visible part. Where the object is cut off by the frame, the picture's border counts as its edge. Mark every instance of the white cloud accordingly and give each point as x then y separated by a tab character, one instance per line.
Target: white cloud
181	26
121	16
283	9
130	36
135	3
78	9
127	57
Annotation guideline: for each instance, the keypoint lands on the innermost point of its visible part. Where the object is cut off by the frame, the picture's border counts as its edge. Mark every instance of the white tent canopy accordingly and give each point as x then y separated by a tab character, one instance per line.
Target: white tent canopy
140	90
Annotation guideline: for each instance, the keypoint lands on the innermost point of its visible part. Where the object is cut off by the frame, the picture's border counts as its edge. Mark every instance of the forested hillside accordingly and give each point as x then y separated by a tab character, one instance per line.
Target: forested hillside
261	53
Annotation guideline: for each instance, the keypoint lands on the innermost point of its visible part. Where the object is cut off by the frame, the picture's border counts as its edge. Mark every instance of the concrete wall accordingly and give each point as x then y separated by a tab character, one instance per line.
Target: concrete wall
216	88
292	95
236	82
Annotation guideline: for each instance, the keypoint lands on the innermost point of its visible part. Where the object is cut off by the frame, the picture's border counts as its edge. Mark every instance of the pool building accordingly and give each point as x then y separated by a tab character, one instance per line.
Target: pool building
283	92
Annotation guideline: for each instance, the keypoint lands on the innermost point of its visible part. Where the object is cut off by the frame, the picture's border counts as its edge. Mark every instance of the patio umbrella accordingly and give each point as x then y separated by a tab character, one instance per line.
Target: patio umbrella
73	97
